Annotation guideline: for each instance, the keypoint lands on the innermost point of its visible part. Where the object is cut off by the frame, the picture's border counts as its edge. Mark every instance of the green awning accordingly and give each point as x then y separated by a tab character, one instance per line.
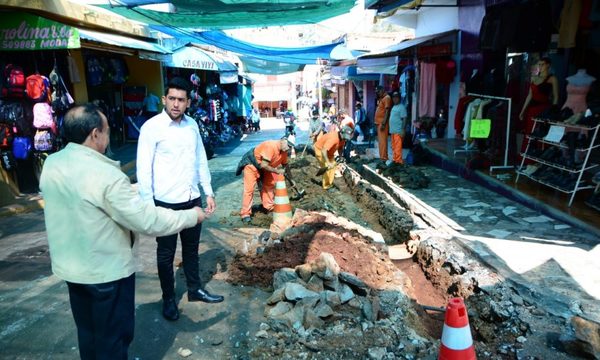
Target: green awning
229	14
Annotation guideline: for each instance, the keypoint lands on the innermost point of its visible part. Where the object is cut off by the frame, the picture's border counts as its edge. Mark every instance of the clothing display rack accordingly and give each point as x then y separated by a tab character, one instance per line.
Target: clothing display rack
575	171
505	163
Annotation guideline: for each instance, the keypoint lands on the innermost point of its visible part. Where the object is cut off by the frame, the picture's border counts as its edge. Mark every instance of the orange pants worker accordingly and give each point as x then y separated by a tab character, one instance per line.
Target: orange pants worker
397	148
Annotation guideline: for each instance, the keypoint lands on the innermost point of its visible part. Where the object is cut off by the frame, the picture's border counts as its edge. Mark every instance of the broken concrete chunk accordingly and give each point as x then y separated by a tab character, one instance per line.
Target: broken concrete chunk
325	266
377	353
277	296
588	332
355	283
346	293
294	292
332	298
333	284
304	271
315	283
308	302
282	276
261	334
312	320
184	352
278	310
323	310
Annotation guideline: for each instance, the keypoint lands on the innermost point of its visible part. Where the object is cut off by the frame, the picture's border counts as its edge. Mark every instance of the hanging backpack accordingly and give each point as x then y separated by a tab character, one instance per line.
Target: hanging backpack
14	81
8	160
118	72
95	71
6	136
42	116
37	87
21	147
43	140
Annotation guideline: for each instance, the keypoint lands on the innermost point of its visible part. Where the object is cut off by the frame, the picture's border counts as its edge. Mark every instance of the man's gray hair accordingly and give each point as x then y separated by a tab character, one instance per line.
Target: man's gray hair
80	121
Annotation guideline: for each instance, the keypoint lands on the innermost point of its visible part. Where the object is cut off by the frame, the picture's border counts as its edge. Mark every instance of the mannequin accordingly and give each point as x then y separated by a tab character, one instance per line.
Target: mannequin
577	88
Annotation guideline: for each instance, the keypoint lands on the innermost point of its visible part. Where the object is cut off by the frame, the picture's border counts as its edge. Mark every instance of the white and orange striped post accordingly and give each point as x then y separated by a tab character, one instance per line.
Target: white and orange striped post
282	209
457	342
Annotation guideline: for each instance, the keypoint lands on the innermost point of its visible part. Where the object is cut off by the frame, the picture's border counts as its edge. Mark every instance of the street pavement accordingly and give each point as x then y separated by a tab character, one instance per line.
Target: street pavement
536	252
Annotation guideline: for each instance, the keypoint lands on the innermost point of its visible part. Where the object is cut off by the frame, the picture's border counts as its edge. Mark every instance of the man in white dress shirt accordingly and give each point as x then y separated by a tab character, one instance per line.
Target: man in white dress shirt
171	161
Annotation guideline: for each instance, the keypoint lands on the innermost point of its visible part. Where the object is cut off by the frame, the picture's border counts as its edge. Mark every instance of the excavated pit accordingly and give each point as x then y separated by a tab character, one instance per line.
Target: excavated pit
435	270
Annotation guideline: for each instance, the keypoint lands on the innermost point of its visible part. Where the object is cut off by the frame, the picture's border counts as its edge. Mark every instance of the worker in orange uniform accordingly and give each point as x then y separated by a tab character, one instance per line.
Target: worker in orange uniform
263	162
325	149
382	117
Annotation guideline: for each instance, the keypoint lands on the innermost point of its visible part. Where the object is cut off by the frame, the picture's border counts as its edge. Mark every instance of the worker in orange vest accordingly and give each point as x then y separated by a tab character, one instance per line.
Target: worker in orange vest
325	149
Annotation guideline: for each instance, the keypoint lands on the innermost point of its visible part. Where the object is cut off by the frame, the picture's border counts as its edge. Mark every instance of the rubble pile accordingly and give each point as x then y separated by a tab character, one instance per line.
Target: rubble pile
406	176
319	311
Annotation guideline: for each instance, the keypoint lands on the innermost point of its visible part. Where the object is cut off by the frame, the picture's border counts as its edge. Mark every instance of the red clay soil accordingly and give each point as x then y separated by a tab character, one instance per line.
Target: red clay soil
304	243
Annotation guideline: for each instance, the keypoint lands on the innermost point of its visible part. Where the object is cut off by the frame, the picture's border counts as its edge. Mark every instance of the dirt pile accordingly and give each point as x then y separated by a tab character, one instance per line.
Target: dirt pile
313	233
319	311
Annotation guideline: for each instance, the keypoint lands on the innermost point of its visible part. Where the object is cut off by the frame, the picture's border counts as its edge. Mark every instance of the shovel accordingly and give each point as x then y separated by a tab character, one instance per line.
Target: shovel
299	193
322	171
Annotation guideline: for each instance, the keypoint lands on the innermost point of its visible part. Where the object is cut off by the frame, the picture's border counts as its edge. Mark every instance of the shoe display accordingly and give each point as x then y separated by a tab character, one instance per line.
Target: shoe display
170	310
204	296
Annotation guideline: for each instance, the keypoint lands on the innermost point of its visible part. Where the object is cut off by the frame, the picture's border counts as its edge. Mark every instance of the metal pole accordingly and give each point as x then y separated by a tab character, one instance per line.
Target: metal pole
320	84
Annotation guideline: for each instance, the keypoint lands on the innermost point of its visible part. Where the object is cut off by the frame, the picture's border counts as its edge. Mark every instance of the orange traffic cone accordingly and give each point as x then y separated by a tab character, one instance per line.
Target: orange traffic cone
293	155
457	343
282	210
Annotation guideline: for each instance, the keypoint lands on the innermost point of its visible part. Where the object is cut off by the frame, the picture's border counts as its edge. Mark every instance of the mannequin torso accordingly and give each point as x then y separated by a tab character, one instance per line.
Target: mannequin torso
577	88
581	78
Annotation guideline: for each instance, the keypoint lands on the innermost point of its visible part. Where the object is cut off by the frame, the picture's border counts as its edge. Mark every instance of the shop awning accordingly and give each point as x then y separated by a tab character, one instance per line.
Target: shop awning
229	14
406	44
382	65
191	57
121	41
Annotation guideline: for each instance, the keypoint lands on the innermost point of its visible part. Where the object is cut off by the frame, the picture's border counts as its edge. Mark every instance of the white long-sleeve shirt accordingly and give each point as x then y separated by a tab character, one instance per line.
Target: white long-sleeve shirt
171	160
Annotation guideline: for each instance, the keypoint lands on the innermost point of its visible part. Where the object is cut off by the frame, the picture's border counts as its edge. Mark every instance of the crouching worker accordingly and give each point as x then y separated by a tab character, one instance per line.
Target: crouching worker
325	149
263	163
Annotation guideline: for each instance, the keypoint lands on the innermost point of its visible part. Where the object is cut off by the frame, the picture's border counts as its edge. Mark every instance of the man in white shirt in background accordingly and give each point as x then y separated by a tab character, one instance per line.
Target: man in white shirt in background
171	161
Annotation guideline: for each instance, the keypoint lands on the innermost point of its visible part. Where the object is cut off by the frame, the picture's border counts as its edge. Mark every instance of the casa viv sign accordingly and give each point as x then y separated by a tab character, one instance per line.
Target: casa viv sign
22	31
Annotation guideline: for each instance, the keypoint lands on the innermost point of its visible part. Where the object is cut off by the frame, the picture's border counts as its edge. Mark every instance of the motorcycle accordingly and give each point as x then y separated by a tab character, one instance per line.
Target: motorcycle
289	121
201	118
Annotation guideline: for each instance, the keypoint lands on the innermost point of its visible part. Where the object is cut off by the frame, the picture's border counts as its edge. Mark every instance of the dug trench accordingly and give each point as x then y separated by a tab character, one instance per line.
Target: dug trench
336	293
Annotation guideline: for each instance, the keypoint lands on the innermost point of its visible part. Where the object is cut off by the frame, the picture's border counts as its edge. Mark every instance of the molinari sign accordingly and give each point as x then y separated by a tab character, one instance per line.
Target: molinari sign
21	31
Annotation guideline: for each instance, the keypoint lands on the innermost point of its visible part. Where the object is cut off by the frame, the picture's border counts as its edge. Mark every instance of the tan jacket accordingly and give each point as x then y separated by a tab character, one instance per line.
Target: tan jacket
90	208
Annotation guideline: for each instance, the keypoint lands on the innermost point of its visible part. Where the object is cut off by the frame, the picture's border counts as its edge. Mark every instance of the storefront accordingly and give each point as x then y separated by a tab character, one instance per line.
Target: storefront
80	66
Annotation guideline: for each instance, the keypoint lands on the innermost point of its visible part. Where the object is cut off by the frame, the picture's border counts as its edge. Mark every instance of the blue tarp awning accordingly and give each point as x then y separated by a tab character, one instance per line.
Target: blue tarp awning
300	56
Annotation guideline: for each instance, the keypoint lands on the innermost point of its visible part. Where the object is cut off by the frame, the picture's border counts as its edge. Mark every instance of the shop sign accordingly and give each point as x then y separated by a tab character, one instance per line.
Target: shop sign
434	50
22	31
199	64
480	128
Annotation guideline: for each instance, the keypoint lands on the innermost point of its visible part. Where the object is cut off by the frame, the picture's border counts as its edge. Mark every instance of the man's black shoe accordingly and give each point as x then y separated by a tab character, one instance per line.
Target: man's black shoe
170	310
204	296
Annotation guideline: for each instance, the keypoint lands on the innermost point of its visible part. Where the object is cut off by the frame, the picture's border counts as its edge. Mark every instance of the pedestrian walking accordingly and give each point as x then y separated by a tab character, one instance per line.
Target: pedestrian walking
315	126
91	213
360	118
398	116
171	161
